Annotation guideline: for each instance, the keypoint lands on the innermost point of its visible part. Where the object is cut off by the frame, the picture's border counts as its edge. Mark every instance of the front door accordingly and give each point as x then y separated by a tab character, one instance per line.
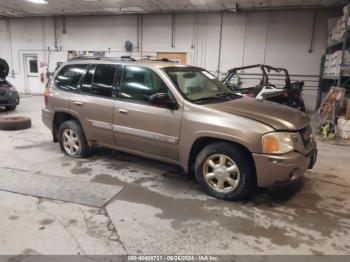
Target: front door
31	74
138	125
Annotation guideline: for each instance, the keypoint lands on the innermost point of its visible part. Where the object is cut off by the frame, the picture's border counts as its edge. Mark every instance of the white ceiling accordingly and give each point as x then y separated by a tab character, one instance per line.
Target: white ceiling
15	8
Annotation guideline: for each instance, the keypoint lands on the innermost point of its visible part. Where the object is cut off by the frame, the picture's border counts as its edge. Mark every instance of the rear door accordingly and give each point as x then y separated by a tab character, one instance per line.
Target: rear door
96	102
139	126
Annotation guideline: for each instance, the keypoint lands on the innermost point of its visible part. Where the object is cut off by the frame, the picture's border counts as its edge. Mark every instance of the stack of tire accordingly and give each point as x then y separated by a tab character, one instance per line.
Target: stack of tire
11	122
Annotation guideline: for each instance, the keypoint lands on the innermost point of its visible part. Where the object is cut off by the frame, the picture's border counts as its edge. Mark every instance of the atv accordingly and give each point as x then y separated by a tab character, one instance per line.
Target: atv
289	94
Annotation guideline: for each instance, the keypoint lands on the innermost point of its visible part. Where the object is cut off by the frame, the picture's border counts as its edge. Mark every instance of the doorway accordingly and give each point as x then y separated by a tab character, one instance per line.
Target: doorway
31	75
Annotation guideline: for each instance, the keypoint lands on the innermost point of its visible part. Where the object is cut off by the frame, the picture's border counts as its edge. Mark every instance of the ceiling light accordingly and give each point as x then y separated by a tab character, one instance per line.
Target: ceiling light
39	2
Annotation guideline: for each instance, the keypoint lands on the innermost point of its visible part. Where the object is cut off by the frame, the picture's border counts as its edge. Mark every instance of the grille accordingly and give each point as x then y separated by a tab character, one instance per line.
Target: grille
306	135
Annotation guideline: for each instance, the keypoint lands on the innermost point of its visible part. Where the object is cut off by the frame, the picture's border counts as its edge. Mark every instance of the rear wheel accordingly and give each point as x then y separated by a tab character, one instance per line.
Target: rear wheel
72	139
224	171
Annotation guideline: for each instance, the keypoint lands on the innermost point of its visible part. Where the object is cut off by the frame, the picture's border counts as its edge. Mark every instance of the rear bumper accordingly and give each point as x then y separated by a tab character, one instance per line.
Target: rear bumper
274	170
47	117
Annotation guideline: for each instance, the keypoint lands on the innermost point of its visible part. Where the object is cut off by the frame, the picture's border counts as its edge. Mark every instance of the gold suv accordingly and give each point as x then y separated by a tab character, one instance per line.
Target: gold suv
182	115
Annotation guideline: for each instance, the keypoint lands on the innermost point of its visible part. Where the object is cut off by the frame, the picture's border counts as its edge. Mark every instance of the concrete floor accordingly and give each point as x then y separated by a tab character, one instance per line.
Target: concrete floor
159	211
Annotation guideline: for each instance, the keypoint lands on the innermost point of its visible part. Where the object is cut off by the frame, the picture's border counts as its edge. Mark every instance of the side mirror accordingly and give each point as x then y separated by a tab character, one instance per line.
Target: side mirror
163	100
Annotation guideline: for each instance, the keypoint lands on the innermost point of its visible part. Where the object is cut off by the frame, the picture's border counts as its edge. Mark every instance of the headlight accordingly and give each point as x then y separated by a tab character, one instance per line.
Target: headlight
277	143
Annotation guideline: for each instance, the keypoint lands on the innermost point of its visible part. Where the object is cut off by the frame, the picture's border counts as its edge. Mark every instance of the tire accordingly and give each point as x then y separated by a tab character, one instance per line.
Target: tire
15	123
72	139
10	108
301	107
242	176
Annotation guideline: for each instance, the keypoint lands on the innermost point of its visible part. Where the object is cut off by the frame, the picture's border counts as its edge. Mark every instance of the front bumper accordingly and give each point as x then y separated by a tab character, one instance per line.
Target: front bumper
274	170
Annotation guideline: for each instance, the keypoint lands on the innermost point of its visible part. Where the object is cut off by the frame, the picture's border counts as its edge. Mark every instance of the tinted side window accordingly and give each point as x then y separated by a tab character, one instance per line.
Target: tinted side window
140	83
69	76
86	84
103	80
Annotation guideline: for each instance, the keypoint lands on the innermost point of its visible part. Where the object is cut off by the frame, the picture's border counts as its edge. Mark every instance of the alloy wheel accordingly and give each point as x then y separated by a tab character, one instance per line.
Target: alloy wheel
221	173
71	143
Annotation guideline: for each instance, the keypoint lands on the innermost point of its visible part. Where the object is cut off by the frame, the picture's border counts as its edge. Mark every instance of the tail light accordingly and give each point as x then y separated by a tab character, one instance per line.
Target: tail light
46	96
250	94
285	93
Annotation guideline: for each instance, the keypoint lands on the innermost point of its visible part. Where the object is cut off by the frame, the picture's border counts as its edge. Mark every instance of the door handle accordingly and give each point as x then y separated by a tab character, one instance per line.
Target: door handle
123	111
78	103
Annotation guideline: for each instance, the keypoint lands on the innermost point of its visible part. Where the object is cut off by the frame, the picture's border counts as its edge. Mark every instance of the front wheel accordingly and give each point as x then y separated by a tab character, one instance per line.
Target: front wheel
301	106
224	171
72	139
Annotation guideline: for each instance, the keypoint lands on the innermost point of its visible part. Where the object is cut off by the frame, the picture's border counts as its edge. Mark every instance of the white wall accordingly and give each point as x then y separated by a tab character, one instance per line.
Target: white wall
280	38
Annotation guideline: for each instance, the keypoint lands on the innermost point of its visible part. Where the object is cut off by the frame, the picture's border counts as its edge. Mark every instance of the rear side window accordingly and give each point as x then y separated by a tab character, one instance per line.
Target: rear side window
69	76
86	84
103	80
140	83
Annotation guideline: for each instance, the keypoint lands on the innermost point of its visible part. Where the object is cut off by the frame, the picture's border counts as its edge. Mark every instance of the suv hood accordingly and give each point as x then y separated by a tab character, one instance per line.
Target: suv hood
277	116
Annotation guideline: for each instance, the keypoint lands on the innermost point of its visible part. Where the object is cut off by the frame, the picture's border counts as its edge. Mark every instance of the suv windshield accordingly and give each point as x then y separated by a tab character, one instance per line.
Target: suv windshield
198	85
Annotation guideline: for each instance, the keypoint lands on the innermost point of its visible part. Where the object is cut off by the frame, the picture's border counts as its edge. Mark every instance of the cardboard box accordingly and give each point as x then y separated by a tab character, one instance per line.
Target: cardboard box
344	134
336	28
344	127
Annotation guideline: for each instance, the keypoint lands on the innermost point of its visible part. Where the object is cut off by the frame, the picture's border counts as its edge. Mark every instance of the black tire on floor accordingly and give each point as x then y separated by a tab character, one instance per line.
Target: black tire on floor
242	161
76	127
15	122
10	108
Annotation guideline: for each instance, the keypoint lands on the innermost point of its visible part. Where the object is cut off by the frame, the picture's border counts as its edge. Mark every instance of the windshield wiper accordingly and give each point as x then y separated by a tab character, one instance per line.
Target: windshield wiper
203	99
226	95
222	96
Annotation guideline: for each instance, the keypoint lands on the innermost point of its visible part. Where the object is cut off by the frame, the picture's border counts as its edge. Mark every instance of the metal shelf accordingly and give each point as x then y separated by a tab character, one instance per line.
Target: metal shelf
324	81
336	77
340	42
330	77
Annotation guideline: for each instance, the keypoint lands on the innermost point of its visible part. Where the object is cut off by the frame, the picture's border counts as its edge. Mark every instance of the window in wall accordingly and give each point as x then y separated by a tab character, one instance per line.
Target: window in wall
103	80
69	76
140	83
33	66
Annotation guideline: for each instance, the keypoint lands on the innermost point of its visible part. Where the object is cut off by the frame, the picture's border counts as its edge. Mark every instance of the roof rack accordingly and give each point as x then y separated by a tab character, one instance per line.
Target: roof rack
123	58
87	58
127	58
149	58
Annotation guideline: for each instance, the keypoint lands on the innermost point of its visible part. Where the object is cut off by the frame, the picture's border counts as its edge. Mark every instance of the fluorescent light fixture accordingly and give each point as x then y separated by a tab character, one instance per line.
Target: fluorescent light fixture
39	2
